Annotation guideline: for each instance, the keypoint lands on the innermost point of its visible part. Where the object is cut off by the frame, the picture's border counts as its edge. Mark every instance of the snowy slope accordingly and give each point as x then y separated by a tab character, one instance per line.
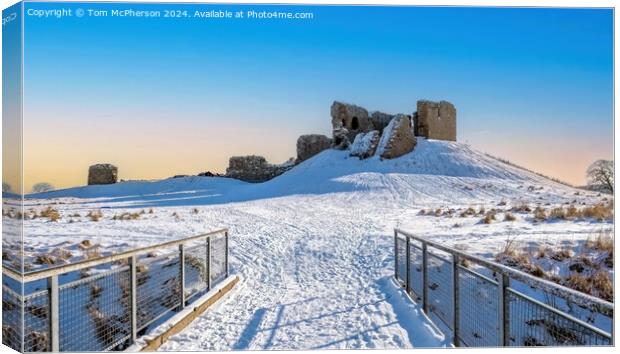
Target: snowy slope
436	171
314	246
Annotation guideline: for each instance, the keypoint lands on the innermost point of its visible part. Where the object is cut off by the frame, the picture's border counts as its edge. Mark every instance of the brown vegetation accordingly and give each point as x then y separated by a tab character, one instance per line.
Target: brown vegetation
50	213
509	217
95	215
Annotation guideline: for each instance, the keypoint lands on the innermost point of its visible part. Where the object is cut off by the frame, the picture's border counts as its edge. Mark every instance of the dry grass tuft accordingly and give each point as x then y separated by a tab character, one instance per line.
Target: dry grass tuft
562	255
468	212
603	285
127	216
579	282
489	217
50	213
542	252
95	215
44	259
600	211
557	213
540	214
509	217
572	212
522	208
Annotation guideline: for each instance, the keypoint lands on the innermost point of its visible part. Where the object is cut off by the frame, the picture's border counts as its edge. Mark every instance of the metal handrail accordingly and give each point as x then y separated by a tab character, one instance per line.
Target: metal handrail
585	300
54	287
87	263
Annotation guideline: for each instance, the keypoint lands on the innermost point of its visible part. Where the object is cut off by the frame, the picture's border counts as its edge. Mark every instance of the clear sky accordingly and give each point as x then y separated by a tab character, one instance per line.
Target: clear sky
159	97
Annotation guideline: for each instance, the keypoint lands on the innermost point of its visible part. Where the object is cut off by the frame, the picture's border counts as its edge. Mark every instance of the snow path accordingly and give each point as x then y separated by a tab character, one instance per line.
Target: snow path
313	284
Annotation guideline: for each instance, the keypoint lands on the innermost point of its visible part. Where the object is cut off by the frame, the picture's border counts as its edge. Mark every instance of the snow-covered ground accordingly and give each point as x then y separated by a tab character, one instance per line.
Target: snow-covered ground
314	246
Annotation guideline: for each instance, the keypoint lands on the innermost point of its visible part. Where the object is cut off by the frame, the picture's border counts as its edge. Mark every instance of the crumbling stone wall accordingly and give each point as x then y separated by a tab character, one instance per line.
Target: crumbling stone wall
253	168
347	121
310	145
380	120
103	173
397	138
436	120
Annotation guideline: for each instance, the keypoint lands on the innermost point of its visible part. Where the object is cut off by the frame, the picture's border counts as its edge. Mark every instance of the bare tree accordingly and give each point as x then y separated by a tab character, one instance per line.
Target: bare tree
601	175
6	188
42	187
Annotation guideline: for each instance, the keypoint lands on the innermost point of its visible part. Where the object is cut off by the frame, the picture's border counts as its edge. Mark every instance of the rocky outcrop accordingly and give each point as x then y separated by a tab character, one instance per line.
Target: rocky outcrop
380	120
352	118
436	120
397	138
310	145
365	144
254	168
104	173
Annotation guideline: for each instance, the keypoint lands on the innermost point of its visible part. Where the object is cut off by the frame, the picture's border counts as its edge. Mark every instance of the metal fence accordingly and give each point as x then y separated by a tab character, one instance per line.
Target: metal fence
482	303
106	303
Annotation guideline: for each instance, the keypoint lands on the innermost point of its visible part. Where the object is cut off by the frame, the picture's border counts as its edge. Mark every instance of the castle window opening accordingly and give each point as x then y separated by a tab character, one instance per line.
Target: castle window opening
355	124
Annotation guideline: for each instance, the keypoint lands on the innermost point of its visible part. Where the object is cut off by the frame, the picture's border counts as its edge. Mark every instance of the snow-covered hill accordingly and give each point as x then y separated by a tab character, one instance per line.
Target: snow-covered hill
435	172
314	246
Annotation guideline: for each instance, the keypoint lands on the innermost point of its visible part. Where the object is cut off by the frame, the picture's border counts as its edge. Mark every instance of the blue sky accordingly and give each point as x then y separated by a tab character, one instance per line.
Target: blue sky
531	85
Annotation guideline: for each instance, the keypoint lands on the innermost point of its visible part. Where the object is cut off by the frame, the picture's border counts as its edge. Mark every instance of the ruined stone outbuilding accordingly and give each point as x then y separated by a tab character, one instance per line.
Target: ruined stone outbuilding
103	173
254	168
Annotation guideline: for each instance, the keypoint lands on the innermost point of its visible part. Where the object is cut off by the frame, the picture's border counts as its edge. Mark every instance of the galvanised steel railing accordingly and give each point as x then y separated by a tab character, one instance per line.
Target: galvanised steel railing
483	303
106	303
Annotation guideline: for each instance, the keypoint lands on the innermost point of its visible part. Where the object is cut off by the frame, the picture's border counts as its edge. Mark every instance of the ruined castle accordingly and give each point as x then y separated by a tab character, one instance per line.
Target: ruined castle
363	134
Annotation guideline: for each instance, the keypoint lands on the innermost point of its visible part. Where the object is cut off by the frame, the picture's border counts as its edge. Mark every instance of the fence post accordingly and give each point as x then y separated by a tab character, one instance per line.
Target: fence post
502	281
133	284
455	300
54	303
408	272
505	310
182	273
226	258
396	255
209	263
424	277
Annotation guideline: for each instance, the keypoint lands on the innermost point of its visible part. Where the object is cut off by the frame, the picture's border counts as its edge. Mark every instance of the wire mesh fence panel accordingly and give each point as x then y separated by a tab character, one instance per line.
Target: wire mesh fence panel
218	258
401	259
158	288
36	322
94	312
196	270
478	310
535	324
12	307
415	270
440	288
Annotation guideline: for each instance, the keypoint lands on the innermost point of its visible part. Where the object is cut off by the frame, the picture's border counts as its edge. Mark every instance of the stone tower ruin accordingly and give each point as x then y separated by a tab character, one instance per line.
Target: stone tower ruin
436	120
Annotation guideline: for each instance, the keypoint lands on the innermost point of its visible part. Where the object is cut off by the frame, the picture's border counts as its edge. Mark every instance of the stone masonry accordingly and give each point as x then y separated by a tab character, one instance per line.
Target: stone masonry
350	117
436	120
397	138
253	168
310	145
103	173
